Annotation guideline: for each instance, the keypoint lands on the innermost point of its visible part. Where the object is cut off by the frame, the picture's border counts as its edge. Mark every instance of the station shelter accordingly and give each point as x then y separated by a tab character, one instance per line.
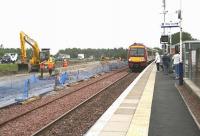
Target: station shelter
191	60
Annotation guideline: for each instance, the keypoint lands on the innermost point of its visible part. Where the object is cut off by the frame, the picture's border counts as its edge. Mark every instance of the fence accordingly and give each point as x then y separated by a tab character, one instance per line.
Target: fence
22	87
71	76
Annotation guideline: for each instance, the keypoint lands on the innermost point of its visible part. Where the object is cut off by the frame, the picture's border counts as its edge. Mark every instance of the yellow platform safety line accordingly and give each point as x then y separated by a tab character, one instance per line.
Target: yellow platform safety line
140	122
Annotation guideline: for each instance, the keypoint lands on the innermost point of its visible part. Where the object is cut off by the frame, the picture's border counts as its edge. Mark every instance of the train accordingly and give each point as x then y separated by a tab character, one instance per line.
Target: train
139	56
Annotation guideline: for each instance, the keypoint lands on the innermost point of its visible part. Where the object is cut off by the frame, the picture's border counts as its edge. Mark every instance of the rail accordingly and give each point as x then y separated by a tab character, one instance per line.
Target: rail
49	102
78	106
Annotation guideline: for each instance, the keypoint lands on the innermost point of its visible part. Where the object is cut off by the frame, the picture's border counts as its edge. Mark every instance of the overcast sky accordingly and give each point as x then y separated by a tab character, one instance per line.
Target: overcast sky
60	24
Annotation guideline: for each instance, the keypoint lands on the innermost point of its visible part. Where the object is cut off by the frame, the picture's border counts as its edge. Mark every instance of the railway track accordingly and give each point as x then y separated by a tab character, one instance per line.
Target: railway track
52	101
75	108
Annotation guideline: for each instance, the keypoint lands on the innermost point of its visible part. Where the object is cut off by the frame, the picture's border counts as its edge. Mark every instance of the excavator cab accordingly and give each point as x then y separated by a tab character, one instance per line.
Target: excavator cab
44	54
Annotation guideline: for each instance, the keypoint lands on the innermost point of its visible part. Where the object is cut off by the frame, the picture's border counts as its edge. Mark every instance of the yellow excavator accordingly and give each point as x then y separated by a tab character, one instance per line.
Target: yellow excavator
38	55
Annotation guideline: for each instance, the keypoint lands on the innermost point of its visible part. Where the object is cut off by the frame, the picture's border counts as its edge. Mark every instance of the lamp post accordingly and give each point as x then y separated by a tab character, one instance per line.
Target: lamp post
181	46
180	25
170	40
164	18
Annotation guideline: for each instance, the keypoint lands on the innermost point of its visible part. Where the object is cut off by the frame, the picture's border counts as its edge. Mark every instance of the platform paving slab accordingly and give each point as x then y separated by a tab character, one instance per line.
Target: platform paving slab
121	118
113	134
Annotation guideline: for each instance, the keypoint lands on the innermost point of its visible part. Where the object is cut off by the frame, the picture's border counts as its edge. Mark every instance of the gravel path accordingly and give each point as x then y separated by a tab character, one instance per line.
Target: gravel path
31	122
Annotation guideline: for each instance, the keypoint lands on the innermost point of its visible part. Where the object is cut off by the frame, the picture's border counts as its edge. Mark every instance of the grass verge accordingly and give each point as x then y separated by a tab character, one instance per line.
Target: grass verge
8	67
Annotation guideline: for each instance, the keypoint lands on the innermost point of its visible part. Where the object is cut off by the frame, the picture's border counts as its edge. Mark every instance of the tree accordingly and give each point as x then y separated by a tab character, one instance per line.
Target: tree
158	49
185	36
96	53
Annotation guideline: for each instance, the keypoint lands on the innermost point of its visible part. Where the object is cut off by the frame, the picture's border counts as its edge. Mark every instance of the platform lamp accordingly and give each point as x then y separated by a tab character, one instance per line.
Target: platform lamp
181	46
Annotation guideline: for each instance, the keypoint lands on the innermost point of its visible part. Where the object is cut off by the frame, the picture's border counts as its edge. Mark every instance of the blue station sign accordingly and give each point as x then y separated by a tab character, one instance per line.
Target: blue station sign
169	25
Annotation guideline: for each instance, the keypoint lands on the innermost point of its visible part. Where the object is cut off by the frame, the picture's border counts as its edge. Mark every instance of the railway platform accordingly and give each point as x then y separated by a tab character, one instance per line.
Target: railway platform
150	106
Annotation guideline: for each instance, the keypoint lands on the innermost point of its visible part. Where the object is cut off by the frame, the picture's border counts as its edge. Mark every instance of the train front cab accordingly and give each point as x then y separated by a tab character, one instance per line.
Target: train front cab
137	58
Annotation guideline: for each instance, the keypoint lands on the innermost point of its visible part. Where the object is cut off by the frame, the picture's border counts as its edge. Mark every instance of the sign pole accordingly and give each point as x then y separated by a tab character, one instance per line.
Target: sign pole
181	47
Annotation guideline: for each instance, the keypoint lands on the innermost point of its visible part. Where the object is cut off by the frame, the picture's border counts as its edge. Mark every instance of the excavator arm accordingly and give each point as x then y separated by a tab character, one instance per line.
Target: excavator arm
36	51
33	63
23	48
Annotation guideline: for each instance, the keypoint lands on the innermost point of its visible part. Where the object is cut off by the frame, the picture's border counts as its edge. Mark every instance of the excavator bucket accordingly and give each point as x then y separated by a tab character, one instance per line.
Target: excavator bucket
23	68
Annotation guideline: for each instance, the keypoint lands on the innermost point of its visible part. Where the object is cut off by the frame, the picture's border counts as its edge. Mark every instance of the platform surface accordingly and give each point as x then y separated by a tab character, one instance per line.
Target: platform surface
150	106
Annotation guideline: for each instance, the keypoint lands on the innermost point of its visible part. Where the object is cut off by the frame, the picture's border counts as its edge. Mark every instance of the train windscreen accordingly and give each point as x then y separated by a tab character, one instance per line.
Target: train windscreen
136	52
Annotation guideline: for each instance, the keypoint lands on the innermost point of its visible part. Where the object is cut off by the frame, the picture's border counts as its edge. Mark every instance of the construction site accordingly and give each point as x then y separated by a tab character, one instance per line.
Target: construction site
28	79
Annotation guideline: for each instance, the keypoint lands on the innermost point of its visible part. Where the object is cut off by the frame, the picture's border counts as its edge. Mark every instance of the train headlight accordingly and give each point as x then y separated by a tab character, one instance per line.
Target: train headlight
129	59
141	59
